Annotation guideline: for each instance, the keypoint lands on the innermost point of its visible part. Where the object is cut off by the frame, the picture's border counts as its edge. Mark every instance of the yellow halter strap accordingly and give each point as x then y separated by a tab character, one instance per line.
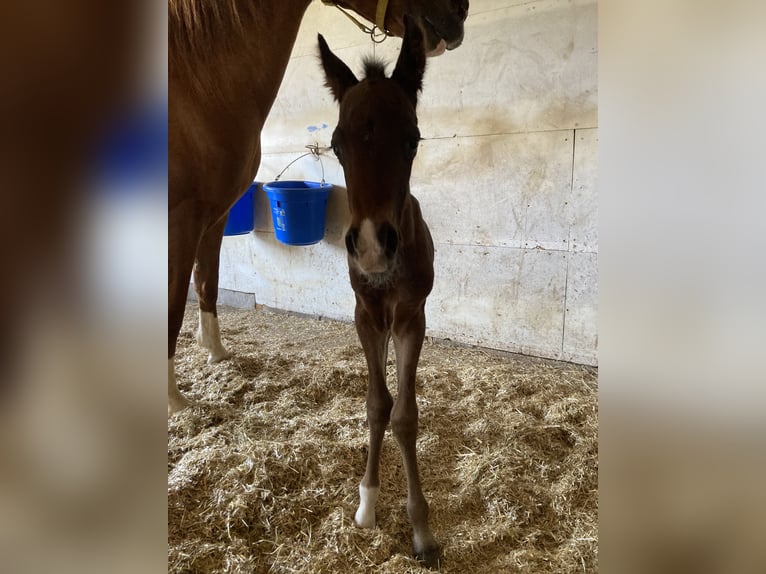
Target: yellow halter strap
378	31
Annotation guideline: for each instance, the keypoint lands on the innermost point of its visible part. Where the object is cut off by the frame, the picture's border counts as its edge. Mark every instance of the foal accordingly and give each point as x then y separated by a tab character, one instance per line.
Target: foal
390	255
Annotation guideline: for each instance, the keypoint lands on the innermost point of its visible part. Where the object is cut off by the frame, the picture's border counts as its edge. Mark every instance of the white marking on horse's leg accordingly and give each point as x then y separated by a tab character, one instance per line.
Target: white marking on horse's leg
365	514
176	401
209	337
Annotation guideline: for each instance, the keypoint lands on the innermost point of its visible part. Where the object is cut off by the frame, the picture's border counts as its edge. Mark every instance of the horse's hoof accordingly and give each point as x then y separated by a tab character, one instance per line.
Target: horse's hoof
177	404
429	556
218	356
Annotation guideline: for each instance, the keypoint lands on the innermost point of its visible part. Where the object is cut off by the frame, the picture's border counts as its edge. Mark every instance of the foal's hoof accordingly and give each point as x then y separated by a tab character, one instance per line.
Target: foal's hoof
429	555
365	515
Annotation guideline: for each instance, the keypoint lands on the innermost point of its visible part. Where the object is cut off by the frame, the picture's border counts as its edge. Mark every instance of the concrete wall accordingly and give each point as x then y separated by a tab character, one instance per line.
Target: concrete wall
506	177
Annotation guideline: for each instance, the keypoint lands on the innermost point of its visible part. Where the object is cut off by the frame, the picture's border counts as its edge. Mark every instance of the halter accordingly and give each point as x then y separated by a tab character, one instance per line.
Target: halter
378	32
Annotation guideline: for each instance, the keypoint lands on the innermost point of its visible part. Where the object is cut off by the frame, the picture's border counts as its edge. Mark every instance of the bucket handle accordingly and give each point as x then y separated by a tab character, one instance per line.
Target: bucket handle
314	151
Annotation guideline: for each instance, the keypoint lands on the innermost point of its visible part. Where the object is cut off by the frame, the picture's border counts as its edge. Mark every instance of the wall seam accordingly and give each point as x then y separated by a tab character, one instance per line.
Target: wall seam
569	243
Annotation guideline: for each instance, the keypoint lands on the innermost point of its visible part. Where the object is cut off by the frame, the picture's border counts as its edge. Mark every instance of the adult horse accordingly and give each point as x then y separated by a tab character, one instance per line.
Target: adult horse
225	64
390	255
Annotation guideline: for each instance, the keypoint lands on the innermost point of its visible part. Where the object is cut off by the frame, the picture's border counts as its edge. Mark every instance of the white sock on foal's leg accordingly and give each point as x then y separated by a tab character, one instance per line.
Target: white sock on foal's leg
365	514
209	337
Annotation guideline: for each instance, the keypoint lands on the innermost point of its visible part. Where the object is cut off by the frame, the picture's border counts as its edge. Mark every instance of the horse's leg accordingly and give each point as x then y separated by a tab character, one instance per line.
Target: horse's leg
408	331
184	229
379	402
206	286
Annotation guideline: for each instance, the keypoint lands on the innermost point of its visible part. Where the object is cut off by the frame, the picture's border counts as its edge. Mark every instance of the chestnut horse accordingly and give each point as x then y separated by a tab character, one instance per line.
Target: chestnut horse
390	255
226	61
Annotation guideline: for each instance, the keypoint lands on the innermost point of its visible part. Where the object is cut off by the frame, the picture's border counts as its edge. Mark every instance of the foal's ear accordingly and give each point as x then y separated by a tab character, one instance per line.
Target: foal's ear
338	77
412	60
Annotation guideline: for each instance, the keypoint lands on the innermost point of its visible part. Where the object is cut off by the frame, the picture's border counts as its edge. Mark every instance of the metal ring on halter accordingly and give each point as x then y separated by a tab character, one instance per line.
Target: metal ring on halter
377	35
314	150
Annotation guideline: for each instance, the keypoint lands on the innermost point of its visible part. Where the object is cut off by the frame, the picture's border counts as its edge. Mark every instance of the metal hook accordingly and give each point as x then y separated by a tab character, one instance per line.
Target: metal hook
315	152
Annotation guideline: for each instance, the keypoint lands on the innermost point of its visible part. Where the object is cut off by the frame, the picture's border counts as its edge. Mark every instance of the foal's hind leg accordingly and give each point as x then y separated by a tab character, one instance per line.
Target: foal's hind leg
375	344
408	330
206	286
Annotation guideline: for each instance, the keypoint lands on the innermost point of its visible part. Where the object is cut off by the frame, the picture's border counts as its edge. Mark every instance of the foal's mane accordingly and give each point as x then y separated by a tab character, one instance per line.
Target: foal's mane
196	23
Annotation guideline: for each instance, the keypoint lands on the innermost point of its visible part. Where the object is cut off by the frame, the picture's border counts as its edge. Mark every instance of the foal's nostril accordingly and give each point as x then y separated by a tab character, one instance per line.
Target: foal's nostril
388	239
351	240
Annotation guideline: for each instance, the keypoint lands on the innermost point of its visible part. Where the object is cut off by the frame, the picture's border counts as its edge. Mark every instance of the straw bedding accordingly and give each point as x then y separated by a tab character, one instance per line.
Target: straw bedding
263	472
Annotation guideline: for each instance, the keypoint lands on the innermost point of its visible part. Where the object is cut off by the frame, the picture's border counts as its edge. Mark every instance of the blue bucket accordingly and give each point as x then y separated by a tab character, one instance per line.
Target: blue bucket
241	215
298	210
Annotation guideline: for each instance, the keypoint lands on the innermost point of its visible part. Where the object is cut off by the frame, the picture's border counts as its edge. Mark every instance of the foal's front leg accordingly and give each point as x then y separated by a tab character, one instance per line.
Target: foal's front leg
374	341
409	329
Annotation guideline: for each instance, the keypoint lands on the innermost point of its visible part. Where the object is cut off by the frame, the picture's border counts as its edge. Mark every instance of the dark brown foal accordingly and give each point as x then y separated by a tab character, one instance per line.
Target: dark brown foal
390	255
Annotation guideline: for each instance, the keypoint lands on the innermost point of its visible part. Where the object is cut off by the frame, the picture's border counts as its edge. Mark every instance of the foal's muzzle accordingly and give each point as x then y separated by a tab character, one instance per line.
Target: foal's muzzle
374	249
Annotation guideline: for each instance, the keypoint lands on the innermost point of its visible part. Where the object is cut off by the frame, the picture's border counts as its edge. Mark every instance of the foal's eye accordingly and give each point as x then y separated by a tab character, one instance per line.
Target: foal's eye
412	146
336	151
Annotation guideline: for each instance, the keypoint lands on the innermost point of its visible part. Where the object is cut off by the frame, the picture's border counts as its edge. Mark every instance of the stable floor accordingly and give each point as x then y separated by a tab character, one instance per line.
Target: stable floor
263	471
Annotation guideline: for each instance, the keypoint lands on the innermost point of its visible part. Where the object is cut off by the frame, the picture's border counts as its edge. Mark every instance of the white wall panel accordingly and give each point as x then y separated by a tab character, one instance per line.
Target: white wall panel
506	176
581	322
499	297
527	67
505	190
310	279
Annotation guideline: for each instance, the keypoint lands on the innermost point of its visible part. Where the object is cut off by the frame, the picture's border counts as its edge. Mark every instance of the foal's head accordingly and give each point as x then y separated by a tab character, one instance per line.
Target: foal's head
376	141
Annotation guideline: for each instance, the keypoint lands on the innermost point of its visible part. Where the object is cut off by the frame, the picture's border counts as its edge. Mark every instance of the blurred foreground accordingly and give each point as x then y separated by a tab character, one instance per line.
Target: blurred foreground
83	235
682	316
